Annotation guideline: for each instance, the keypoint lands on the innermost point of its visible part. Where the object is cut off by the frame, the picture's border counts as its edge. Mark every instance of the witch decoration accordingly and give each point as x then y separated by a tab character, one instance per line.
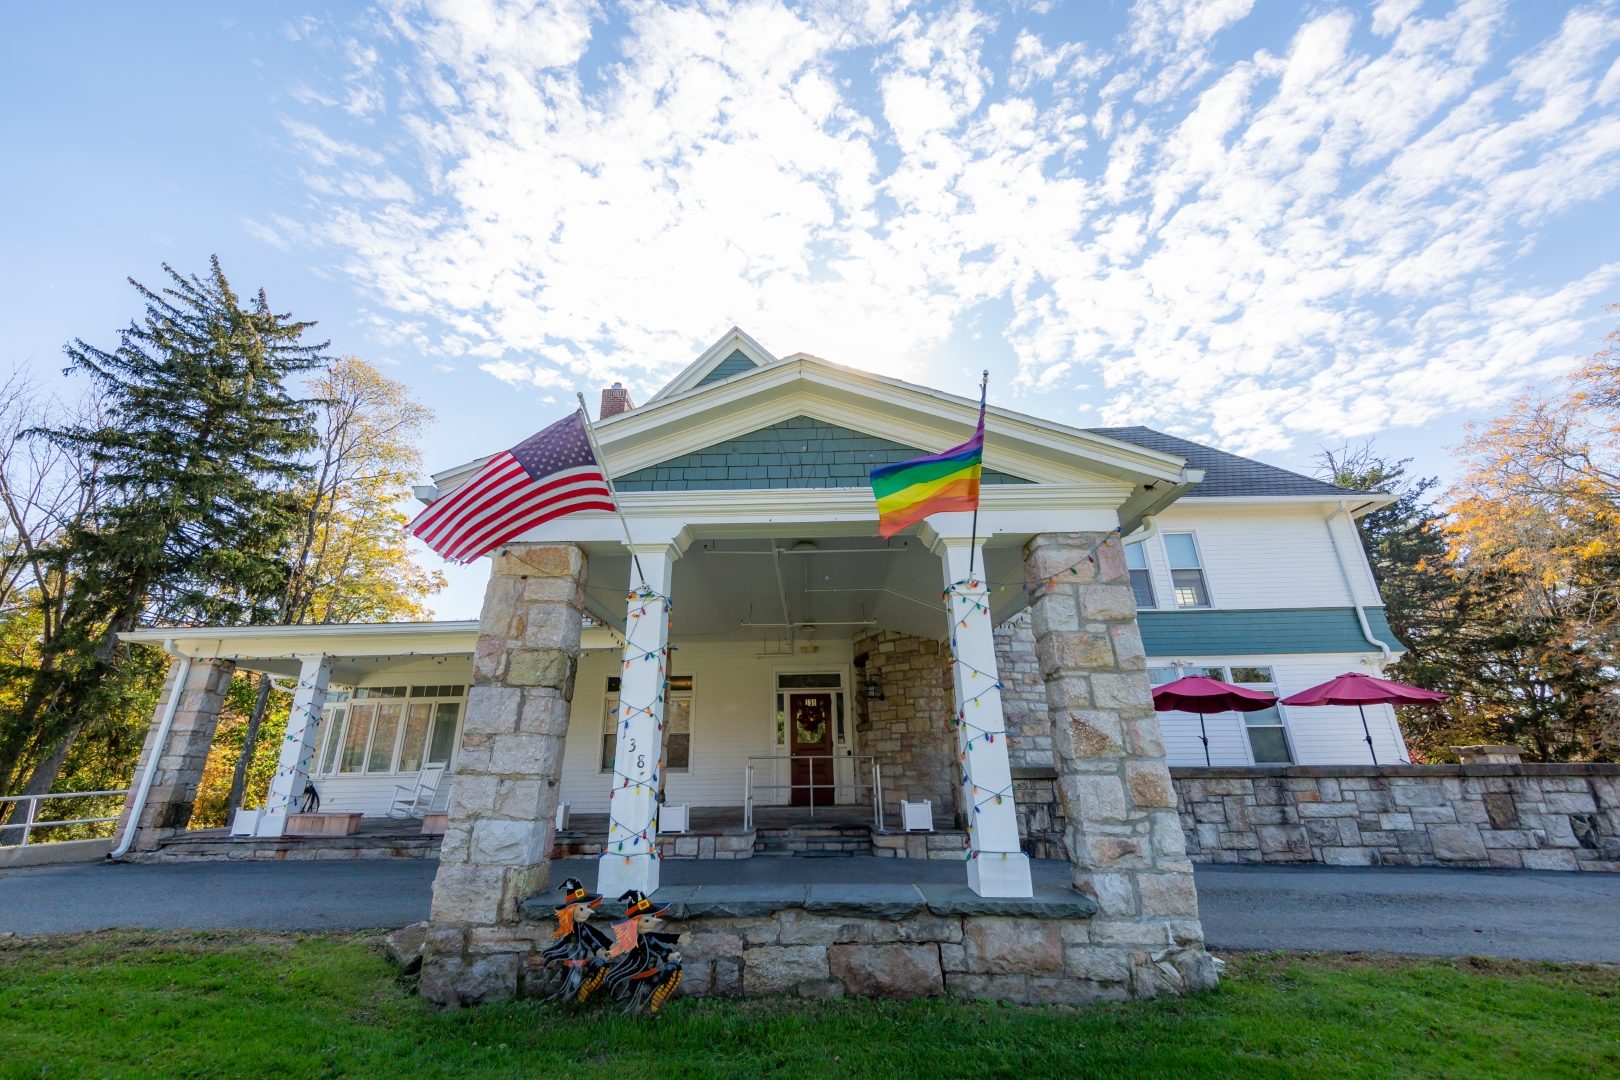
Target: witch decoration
646	966
576	966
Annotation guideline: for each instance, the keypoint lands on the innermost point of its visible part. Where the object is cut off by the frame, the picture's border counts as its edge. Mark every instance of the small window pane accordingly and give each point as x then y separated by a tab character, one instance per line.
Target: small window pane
1264	718
444	733
808	682
416	730
1135	557
678	733
680	682
1251	675
334	735
1206	672
1189	585
1183	553
1159	676
1269	745
610	727
382	742
1142	586
354	745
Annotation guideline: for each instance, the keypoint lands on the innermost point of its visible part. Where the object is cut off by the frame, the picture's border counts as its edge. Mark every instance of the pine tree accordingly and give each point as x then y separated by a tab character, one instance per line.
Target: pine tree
198	458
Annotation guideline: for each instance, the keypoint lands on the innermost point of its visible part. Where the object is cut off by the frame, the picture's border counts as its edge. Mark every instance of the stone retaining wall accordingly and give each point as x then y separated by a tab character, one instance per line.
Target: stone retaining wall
1529	816
862	941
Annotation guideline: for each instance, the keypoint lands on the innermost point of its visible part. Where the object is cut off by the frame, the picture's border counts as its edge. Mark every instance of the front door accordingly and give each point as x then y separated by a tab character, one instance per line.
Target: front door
812	742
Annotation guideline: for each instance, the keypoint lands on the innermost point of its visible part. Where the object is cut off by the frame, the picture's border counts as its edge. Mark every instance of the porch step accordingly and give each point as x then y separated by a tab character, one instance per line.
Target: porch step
814	841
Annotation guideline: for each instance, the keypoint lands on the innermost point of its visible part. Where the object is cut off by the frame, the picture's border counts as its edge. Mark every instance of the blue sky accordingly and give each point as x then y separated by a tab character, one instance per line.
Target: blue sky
1263	224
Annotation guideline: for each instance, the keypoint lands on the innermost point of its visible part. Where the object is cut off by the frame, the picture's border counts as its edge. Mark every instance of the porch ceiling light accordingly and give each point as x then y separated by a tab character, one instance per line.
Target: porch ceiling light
805	545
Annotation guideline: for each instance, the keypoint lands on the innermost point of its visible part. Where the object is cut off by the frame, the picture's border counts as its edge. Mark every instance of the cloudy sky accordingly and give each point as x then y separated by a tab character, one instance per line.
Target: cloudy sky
1264	224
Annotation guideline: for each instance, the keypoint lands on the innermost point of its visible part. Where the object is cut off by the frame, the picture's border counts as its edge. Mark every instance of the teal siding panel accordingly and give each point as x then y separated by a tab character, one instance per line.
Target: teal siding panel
735	364
797	453
1272	630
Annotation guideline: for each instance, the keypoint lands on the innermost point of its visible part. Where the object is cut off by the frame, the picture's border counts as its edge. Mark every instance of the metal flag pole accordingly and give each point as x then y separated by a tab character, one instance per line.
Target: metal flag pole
601	460
973	543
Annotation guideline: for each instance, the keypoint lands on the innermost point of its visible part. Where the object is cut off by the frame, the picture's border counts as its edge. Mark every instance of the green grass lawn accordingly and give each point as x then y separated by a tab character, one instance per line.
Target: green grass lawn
134	1004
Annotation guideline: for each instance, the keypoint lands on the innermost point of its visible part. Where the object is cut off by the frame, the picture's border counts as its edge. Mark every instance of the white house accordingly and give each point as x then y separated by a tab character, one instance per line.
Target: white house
744	482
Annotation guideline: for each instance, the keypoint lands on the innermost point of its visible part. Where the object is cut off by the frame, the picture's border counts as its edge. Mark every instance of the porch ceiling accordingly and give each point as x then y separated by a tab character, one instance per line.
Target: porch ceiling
804	587
359	652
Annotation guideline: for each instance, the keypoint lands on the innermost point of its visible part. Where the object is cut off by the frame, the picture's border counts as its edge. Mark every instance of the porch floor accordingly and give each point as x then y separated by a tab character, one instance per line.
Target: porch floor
858	870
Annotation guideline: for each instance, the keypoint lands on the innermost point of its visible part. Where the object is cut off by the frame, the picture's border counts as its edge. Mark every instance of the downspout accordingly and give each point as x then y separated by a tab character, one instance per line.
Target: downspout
1146	531
1349	583
170	707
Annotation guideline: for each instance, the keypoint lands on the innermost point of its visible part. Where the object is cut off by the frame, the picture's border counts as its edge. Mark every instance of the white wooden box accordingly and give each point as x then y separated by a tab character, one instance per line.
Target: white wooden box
917	816
246	822
672	819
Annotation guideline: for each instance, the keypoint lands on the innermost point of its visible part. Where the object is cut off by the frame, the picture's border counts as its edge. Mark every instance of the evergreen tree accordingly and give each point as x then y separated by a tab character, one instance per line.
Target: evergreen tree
198	458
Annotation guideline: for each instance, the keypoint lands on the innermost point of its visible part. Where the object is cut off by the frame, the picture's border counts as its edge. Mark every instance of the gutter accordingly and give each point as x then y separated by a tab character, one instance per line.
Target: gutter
1149	529
170	707
1349	583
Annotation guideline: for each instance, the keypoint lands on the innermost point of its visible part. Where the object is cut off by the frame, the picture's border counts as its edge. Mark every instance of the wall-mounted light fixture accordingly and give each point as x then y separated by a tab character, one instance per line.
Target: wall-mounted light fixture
874	692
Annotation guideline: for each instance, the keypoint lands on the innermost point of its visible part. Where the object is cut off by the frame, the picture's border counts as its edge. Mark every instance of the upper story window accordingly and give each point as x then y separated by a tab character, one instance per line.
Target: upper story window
1141	578
1186	571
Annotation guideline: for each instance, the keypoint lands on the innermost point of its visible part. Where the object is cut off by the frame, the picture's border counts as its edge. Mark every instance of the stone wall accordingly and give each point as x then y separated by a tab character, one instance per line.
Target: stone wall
885	946
1029	740
1533	817
908	731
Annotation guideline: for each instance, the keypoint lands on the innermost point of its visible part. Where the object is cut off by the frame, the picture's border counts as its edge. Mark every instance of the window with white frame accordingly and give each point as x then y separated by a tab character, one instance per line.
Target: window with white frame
1186	571
677	724
380	729
1141	577
1267	739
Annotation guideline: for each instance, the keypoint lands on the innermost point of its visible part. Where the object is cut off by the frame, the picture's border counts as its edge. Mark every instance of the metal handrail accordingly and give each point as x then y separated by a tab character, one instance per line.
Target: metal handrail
750	786
28	824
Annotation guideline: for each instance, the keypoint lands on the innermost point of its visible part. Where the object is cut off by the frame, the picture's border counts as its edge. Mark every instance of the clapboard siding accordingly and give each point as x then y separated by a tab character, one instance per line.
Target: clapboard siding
1323	735
733	717
1264	557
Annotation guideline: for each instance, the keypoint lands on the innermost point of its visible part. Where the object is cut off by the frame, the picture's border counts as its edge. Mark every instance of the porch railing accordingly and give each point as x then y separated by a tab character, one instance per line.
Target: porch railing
751	786
29	822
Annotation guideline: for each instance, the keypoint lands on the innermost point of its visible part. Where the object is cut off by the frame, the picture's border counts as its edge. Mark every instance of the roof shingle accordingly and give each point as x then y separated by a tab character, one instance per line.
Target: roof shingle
1225	475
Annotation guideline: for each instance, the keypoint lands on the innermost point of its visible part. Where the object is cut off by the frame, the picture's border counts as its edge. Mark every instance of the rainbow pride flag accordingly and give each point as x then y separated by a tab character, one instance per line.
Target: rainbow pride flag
909	491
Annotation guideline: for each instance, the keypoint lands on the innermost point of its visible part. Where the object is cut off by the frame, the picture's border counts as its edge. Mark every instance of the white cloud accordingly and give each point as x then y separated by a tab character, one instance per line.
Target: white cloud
1325	241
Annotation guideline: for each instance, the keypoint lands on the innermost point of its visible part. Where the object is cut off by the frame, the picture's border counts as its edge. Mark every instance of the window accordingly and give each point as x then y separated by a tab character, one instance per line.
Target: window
1267	739
444	732
334	735
678	724
1186	572
1141	578
415	740
610	723
1159	676
381	758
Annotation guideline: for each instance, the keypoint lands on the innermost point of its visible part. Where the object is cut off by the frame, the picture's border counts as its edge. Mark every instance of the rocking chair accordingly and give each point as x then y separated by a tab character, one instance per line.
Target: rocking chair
416	800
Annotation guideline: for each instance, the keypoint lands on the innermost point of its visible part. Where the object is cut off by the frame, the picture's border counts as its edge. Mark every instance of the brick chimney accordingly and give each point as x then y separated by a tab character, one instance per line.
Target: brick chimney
615	401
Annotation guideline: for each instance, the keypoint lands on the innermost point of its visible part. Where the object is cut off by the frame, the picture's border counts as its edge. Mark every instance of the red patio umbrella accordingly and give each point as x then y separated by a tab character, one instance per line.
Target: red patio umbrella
1359	690
1201	694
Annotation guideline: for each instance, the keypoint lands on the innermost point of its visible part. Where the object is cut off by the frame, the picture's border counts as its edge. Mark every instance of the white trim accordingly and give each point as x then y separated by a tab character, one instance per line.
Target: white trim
734	340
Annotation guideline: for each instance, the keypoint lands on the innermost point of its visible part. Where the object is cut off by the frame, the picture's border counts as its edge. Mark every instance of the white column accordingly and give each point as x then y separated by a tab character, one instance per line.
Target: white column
298	747
996	866
630	860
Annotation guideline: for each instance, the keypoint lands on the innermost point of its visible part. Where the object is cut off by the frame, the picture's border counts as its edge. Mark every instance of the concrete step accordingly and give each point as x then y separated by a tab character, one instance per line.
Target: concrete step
814	841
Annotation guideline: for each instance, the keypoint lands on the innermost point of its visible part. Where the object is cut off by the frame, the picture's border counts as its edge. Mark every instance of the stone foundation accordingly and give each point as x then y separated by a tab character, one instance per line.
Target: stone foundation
1531	817
862	941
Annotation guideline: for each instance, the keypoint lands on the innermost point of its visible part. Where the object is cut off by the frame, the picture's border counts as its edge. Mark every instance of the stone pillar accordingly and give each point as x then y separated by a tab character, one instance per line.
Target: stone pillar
503	803
180	763
997	866
297	746
1123	834
630	860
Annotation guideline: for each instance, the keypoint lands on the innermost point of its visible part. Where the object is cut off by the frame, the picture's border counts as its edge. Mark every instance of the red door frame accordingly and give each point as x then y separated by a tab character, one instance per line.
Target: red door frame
812	779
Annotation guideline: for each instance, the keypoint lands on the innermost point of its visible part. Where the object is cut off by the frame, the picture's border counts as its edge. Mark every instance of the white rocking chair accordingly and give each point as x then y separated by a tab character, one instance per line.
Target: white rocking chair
417	799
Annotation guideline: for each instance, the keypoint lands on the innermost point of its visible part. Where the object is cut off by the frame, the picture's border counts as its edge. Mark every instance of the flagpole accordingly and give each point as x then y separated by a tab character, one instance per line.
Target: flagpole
601	459
973	543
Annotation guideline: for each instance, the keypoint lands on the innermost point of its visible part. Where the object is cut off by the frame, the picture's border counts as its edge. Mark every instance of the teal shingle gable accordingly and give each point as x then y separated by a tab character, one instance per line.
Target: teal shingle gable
735	364
796	453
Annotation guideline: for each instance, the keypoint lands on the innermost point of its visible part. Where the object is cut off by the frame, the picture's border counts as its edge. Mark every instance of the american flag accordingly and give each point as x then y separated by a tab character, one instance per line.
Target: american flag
545	476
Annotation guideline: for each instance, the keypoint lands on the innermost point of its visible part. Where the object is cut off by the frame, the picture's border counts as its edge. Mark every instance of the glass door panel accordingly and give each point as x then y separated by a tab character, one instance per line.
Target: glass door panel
334	738
361	717
444	732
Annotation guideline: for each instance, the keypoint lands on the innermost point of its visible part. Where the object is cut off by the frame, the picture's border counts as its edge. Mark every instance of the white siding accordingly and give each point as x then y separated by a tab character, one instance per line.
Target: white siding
1319	735
733	717
1263	557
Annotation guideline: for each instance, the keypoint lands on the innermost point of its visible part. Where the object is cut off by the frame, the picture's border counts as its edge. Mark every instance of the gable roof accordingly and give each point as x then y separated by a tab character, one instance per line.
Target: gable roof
1227	475
734	354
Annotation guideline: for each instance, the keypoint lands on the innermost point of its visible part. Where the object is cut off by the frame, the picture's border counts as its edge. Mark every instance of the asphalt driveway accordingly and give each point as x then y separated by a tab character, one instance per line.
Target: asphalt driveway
1522	914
